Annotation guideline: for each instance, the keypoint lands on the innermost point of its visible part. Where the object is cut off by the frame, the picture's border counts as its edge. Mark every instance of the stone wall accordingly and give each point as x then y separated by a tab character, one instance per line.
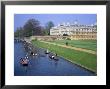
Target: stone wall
74	37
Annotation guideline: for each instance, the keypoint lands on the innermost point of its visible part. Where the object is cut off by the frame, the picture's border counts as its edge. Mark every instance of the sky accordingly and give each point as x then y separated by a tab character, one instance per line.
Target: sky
85	19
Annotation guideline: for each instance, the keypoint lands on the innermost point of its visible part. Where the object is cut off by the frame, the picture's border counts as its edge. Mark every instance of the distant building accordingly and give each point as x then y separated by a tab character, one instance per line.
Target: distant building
75	31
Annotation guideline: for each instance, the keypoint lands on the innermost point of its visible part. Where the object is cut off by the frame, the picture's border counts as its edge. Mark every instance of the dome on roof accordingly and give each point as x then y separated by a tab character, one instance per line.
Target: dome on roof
58	24
75	22
68	24
91	24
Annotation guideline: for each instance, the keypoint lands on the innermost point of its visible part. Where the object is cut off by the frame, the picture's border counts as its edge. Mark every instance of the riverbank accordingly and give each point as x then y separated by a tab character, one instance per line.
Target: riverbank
83	59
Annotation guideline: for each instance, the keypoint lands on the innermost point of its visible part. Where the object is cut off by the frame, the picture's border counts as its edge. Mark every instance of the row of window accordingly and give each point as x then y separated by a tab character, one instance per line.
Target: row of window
85	33
71	30
89	36
67	32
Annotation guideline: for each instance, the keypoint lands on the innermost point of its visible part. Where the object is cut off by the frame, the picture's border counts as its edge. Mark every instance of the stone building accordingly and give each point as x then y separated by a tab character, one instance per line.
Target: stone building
75	31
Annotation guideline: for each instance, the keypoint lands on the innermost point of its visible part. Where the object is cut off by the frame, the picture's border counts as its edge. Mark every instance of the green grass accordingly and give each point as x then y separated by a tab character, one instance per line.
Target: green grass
87	60
87	44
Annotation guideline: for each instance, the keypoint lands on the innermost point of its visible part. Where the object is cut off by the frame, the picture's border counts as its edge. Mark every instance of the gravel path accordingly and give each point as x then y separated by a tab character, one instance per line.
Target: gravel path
74	48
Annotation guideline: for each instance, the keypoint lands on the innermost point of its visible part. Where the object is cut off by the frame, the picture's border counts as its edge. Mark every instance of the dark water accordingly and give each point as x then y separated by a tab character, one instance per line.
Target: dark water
42	65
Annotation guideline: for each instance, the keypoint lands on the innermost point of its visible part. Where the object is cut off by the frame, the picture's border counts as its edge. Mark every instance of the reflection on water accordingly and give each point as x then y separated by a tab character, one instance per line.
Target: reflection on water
42	65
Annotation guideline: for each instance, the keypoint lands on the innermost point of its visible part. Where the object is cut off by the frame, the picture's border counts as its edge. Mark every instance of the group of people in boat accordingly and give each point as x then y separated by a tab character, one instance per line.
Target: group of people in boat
24	61
33	54
51	55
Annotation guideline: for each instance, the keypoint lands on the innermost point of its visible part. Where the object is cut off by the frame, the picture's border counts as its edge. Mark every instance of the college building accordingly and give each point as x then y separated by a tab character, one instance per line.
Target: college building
75	31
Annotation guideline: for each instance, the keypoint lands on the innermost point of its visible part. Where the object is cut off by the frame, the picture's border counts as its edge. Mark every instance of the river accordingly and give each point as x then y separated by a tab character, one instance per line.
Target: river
42	65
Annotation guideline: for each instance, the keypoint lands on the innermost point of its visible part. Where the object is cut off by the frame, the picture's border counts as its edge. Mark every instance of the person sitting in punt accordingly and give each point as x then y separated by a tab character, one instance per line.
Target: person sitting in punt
52	56
55	57
32	53
47	51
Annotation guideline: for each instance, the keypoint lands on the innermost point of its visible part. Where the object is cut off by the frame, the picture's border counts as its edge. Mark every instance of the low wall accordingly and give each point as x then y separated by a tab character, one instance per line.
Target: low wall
75	37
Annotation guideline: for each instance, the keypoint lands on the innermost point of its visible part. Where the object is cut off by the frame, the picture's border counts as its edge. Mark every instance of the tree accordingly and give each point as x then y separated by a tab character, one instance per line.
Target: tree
32	27
66	43
49	25
19	32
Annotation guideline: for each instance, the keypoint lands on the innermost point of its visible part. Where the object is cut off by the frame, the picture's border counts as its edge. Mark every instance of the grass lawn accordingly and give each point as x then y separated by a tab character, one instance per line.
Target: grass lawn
87	44
85	59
